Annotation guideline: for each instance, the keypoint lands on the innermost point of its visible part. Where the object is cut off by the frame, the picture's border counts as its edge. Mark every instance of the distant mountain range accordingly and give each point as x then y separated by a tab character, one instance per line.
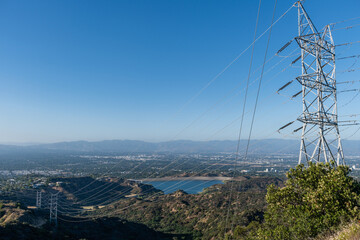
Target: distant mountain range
265	146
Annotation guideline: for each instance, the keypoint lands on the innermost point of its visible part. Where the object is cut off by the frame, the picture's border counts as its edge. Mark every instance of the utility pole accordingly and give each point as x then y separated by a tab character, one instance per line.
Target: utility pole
53	204
38	199
320	138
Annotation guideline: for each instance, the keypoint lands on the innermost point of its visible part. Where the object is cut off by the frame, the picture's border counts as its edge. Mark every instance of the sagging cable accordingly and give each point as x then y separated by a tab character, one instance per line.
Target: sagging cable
351	82
287	84
345	44
354	56
349	90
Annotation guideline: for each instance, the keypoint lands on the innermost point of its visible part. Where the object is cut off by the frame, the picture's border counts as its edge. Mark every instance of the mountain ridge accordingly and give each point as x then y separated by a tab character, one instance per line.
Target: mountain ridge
257	146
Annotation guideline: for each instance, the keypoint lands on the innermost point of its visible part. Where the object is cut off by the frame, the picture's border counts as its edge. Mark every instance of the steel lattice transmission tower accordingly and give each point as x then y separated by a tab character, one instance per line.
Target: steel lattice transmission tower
320	139
38	199
53	204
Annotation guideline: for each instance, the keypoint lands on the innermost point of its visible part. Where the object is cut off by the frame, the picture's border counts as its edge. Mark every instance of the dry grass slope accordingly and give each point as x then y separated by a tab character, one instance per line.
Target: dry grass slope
348	232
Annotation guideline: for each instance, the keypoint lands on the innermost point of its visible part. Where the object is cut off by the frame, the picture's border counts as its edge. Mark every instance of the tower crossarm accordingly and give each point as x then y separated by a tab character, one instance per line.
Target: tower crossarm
319	118
312	44
311	81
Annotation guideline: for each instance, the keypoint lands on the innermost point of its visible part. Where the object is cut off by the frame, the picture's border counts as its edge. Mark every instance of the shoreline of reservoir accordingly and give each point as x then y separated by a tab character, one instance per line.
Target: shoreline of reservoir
185	178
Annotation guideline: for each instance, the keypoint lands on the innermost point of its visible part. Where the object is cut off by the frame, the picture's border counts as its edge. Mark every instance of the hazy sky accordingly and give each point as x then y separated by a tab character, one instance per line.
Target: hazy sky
94	70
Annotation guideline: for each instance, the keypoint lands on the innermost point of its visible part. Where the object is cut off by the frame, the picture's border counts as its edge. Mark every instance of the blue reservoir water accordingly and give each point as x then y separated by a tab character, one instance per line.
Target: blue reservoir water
189	186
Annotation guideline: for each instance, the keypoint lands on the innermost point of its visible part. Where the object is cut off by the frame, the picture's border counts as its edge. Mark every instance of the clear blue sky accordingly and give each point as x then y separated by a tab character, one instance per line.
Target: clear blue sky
95	70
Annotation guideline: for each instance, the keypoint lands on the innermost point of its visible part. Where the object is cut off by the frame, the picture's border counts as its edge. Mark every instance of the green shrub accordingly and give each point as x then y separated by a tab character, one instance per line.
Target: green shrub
315	199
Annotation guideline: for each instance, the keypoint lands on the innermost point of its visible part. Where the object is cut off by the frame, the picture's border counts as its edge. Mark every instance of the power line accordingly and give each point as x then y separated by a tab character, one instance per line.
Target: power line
347	57
346	28
109	200
243	112
218	74
222	128
346	20
254	41
346	44
258	92
210	83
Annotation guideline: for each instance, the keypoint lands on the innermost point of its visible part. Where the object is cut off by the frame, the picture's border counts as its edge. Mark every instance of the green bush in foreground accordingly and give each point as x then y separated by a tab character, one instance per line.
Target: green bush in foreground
315	199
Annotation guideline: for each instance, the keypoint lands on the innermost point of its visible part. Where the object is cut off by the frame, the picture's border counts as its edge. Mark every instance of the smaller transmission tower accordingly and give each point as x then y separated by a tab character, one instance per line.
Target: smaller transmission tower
38	199
53	204
320	139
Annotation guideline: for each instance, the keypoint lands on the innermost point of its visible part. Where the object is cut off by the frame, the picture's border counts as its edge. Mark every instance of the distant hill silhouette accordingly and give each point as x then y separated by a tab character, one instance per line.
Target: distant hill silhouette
265	146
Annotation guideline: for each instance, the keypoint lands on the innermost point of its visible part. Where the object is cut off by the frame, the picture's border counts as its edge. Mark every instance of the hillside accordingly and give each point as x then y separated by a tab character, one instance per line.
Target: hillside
20	224
348	232
173	216
199	215
243	208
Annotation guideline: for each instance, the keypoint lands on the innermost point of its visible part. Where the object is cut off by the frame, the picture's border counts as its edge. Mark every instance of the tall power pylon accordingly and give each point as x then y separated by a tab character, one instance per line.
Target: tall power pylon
53	204
320	139
38	199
